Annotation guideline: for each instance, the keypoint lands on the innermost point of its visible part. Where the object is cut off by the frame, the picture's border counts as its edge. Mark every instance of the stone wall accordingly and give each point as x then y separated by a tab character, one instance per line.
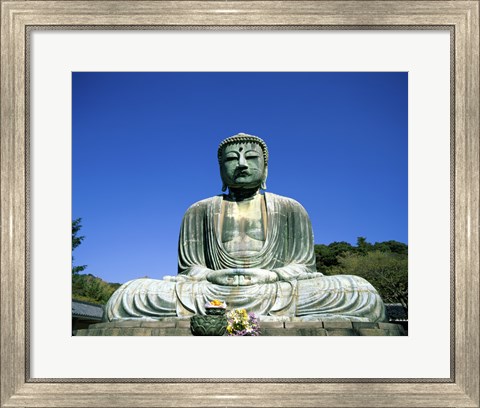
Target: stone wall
181	327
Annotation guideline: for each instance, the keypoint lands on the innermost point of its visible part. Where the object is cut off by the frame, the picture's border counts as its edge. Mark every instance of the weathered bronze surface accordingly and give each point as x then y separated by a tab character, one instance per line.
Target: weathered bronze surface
250	249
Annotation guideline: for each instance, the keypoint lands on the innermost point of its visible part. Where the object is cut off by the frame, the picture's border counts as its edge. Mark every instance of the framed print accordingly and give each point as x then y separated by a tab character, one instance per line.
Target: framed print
435	43
224	102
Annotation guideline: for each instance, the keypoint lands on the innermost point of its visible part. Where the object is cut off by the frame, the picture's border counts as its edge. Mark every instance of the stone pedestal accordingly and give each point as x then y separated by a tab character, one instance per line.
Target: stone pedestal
181	327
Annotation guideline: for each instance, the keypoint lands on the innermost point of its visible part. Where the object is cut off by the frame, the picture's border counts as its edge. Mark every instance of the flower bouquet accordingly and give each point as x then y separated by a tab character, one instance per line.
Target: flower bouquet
241	323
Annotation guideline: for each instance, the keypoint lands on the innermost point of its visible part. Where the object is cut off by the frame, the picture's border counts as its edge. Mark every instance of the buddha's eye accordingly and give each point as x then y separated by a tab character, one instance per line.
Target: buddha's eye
230	158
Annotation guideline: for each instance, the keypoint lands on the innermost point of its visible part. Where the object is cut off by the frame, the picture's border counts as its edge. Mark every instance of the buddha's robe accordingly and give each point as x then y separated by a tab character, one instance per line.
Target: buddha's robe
287	250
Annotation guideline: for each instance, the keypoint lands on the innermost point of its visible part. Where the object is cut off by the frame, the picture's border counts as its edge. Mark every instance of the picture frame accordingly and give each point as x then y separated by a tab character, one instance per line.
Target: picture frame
19	389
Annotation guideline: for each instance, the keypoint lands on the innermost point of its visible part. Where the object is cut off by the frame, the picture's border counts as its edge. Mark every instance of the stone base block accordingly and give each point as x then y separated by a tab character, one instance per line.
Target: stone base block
181	327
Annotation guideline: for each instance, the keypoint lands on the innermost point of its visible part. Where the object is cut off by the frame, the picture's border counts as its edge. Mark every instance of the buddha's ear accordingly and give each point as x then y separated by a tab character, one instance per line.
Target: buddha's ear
263	186
224	185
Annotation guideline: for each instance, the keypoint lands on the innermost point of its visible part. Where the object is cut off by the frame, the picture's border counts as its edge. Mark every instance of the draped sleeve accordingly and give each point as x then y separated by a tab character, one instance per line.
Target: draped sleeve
297	260
191	243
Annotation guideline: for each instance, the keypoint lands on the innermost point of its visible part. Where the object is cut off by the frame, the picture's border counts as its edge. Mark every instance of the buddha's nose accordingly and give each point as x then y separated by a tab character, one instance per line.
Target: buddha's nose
242	162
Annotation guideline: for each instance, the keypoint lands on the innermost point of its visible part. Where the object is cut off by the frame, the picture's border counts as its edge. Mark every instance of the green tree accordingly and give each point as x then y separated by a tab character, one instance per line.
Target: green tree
327	255
76	241
88	287
383	264
391	246
363	246
386	271
92	289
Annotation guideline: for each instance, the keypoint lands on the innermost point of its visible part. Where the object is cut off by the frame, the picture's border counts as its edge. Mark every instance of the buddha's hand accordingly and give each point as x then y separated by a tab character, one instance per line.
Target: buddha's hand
178	278
193	274
241	277
291	274
309	275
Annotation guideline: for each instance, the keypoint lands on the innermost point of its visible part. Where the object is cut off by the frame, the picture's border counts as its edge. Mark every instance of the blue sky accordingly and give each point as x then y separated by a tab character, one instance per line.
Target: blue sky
145	145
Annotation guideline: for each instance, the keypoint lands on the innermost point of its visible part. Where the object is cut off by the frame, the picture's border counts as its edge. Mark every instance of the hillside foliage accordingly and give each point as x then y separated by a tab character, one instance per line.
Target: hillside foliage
383	264
87	287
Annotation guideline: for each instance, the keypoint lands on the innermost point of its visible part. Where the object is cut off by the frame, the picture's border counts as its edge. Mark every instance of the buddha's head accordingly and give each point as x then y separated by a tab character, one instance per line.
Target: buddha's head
243	162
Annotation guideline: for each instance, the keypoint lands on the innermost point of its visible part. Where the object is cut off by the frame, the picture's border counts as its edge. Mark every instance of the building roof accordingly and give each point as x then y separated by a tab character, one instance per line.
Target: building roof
87	310
396	312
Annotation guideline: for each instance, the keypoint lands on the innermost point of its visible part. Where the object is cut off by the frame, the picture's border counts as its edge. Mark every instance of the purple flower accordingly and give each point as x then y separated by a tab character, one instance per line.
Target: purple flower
242	324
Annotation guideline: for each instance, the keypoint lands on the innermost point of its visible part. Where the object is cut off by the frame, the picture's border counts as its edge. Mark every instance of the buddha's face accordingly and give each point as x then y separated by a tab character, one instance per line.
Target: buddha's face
242	165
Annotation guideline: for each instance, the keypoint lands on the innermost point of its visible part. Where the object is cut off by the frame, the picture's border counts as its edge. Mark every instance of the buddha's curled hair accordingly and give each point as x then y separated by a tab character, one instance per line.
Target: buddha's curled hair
243	138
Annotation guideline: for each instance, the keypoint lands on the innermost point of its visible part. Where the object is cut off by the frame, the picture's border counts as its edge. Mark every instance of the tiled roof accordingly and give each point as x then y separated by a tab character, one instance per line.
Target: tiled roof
85	309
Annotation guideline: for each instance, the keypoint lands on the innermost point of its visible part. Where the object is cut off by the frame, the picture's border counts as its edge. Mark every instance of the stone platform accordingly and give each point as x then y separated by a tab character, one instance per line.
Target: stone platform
181	327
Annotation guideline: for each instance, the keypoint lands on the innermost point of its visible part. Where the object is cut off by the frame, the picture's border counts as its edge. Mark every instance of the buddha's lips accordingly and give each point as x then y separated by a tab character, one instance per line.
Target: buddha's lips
242	173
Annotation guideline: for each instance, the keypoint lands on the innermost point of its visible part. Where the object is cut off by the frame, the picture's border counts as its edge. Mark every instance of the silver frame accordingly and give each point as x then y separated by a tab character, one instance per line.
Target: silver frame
19	18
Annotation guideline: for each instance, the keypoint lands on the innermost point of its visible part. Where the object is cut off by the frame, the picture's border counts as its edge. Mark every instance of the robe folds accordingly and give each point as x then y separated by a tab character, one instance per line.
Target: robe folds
288	251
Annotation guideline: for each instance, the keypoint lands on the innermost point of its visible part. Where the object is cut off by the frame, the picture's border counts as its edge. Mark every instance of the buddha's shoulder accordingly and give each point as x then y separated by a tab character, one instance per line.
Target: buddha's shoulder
203	204
285	201
275	199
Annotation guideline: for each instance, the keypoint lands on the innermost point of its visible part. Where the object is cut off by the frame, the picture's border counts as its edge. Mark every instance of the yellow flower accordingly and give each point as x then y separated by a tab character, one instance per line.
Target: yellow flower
216	302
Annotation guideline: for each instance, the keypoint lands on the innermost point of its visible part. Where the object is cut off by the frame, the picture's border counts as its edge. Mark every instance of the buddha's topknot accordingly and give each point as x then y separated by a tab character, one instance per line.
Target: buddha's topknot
243	138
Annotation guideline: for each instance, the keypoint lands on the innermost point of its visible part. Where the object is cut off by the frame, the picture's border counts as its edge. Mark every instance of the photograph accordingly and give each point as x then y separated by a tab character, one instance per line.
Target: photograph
240	203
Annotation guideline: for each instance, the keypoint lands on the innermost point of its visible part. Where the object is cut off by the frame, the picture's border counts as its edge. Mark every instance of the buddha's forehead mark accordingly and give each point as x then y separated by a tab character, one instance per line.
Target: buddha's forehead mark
242	147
